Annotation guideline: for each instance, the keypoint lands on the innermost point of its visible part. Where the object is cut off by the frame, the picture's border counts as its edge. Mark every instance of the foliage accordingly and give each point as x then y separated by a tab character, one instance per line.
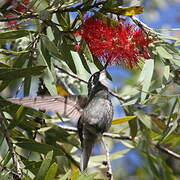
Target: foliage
37	40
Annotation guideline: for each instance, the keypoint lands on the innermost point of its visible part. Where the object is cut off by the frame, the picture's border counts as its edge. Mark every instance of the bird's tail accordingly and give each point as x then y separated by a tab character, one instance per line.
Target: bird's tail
86	153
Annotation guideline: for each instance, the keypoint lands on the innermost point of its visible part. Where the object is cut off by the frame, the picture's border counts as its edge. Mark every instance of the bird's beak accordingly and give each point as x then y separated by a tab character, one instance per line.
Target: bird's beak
103	78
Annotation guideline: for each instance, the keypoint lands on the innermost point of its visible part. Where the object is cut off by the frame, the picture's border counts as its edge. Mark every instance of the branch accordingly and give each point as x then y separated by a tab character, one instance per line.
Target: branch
82	80
140	24
14	174
11	148
117	136
52	11
108	163
167	151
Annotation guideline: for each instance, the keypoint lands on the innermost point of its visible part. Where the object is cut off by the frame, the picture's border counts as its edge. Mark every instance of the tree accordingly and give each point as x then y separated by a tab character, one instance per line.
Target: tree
50	48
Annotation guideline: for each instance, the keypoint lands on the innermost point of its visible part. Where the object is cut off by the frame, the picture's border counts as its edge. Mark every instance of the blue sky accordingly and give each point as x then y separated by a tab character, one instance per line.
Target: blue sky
168	16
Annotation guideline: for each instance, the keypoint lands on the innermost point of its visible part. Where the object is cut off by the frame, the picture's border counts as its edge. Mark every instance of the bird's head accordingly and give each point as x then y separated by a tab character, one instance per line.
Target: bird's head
97	80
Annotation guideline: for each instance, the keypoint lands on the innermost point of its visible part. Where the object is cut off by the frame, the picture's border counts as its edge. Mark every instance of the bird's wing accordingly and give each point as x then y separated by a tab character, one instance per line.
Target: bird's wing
70	106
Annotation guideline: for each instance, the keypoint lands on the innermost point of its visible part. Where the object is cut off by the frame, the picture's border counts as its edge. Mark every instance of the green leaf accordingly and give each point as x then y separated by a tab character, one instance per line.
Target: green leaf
87	176
48	77
4	65
166	72
127	11
52	172
27	81
16	73
51	47
32	166
34	146
67	56
19	116
20	60
133	128
84	62
145	77
14	34
146	120
86	51
56	133
112	4
172	128
81	71
123	120
64	20
66	176
163	52
176	62
44	166
4	84
6	159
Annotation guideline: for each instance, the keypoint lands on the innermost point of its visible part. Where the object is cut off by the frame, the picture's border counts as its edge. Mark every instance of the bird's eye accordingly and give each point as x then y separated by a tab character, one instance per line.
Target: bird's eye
93	80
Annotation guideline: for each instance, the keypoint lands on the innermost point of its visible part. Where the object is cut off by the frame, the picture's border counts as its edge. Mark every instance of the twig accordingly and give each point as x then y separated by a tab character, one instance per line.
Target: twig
20	17
167	151
140	24
117	96
70	74
11	148
109	172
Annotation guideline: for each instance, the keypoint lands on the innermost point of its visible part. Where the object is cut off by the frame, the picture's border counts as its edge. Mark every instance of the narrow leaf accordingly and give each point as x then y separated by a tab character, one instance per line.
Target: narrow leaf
127	11
123	120
66	176
14	34
145	77
75	172
133	128
163	53
146	120
48	77
27	81
32	145
19	116
51	47
52	172
45	166
15	73
67	56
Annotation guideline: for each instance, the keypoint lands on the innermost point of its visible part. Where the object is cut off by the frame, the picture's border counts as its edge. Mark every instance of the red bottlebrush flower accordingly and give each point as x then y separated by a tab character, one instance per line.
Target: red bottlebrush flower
18	6
121	44
22	6
12	23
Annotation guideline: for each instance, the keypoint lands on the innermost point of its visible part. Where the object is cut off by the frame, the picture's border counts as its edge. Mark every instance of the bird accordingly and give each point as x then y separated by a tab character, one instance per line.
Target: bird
96	116
94	111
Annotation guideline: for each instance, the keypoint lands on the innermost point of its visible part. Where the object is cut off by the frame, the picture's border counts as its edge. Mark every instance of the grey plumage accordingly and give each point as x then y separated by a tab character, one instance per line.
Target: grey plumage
96	117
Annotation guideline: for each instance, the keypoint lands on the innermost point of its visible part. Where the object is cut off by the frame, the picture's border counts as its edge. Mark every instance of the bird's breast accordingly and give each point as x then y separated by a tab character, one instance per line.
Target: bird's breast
98	113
